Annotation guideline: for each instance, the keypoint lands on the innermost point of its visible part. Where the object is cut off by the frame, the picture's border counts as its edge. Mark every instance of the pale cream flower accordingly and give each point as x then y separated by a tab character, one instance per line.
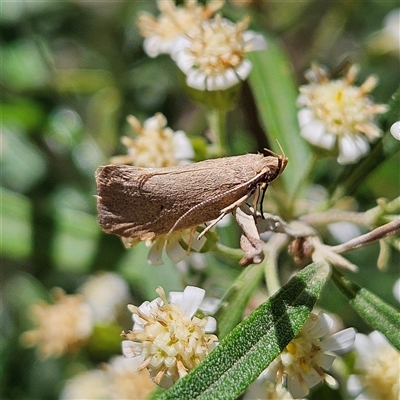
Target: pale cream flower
212	55
302	362
160	33
156	144
116	380
167	337
105	293
126	381
336	111
387	40
395	130
378	367
88	385
62	327
392	27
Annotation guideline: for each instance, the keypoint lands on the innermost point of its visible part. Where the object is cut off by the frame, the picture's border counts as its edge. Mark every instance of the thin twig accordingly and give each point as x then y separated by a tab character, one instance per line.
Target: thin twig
379	233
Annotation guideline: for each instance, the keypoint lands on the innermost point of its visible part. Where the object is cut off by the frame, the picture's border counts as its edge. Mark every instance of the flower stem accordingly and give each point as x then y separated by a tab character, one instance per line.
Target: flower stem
227	252
217	121
271	250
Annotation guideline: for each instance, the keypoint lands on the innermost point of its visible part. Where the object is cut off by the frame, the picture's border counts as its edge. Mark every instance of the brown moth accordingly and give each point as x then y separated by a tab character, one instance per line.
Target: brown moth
143	203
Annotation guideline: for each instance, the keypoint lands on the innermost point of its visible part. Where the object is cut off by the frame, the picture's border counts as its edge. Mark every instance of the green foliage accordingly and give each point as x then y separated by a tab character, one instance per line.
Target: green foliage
379	315
71	74
254	343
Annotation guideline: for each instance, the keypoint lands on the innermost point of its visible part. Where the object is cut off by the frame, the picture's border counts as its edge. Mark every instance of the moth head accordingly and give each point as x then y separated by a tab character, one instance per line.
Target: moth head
282	162
282	159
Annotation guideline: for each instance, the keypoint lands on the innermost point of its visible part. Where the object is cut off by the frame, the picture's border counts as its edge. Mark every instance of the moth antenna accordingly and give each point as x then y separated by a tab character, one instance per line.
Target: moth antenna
280	148
283	155
269	151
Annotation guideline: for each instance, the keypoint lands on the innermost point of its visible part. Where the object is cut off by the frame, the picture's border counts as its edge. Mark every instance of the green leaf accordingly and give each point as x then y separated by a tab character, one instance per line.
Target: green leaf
75	240
380	315
255	343
236	298
16	216
275	93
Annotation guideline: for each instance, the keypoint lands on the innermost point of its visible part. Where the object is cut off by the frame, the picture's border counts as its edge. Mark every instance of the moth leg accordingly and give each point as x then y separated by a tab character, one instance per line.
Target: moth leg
255	200
224	211
264	188
207	228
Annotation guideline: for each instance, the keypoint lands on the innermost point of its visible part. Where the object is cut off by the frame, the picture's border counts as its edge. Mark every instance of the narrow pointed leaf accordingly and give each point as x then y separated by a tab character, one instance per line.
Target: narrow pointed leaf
380	315
255	343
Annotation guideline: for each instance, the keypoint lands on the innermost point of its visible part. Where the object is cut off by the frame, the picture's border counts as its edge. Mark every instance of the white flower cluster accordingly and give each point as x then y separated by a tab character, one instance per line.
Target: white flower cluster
156	145
302	363
209	51
336	112
167	337
65	325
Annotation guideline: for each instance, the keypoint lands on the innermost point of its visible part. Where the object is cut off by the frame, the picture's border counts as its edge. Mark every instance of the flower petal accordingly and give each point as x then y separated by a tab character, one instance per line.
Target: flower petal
216	82
340	341
297	389
184	61
211	325
183	149
311	378
210	305
131	349
395	130
154	256
327	361
231	78
176	298
362	144
197	244
191	300
322	325
355	387
327	141
378	340
314	131
196	79
351	149
175	251
244	69
256	40
150	45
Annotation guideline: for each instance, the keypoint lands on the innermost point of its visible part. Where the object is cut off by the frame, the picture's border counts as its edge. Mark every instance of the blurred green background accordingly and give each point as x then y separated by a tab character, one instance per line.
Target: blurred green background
71	73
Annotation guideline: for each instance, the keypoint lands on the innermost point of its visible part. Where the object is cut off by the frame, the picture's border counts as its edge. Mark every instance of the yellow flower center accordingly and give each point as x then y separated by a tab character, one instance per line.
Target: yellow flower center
343	108
218	46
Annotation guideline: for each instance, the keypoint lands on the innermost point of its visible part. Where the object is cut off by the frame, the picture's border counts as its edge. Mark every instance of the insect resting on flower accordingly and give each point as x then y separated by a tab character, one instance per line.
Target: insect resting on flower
143	203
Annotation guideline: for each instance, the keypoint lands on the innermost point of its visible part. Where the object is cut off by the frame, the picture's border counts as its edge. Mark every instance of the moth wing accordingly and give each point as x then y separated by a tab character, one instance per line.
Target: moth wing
122	210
